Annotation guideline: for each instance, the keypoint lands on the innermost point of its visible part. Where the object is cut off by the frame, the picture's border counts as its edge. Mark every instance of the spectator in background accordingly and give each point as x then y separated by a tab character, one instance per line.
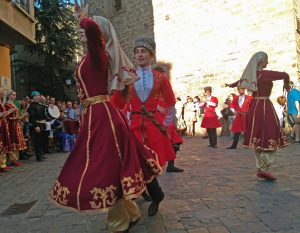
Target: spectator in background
52	105
58	132
15	130
70	112
225	131
43	100
190	116
210	120
48	97
197	107
58	104
179	108
63	107
293	101
279	108
230	113
25	127
77	109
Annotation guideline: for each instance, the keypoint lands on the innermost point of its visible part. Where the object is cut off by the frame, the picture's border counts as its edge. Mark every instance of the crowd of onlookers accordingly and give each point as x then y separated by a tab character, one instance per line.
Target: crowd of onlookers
189	114
61	132
60	139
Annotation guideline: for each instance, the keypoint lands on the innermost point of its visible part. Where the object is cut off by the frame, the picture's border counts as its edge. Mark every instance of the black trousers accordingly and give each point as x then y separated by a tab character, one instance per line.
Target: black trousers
155	190
39	140
212	136
45	141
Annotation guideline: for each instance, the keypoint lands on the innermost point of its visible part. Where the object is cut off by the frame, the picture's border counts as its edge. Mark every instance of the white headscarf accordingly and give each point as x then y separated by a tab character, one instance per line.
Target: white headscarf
121	70
249	77
8	94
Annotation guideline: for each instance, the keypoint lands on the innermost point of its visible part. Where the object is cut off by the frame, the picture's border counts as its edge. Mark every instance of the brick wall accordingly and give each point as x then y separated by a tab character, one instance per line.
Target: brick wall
209	42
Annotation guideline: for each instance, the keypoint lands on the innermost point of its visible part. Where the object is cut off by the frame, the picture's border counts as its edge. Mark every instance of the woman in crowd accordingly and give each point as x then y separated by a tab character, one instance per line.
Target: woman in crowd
15	130
190	116
5	145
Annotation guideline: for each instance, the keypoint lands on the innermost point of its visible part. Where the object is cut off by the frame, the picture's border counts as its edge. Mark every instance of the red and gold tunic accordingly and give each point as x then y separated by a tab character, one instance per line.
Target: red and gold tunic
142	125
17	139
107	162
210	118
5	145
262	125
239	123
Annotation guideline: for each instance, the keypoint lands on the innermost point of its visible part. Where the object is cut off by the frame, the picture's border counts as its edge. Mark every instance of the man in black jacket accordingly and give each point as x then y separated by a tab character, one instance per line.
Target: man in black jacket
37	120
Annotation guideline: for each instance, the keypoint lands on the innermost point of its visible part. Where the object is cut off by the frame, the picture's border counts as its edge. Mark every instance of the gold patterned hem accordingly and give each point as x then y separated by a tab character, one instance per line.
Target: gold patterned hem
134	195
79	210
266	149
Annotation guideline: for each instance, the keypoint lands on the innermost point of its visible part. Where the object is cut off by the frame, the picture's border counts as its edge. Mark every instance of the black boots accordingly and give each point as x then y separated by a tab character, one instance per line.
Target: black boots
156	194
172	168
236	138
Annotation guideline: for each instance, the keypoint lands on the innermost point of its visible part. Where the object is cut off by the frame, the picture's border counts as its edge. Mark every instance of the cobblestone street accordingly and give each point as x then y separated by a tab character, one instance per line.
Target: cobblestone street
217	193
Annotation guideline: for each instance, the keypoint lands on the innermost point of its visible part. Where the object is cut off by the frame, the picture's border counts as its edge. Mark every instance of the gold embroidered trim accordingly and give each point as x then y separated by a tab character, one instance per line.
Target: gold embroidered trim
253	120
271	146
102	197
132	185
87	157
59	193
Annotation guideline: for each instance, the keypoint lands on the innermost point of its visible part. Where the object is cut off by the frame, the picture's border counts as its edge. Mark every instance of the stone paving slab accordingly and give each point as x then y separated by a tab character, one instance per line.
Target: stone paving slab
217	193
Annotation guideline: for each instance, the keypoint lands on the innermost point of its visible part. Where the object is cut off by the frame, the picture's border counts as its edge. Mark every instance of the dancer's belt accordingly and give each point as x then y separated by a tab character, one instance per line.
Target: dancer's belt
94	100
261	98
149	114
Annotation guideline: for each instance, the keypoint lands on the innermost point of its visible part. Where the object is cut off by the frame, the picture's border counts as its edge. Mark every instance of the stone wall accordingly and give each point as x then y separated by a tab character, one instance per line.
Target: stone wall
135	18
209	42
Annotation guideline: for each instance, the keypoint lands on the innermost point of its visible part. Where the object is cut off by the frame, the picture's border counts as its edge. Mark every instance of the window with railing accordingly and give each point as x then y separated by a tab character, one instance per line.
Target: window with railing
24	4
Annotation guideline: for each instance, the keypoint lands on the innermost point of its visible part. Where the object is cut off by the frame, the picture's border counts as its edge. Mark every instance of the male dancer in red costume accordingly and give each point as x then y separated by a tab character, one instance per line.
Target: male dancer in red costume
239	105
142	100
210	119
175	138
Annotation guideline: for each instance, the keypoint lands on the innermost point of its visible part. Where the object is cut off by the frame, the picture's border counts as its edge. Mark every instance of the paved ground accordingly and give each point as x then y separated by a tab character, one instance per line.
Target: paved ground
217	193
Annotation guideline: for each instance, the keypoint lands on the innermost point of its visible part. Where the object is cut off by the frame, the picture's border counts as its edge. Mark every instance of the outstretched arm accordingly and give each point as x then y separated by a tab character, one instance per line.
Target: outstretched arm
232	84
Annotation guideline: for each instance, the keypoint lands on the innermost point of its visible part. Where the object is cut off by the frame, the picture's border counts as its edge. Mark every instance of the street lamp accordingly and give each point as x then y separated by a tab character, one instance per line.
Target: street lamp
69	83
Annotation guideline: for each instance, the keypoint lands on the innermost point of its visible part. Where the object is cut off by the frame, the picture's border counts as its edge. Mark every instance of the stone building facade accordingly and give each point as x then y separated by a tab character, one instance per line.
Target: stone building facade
209	42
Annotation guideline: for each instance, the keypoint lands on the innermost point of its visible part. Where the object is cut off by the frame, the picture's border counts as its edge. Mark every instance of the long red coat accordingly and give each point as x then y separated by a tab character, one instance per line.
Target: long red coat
239	123
17	138
107	162
262	125
144	129
210	118
5	145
